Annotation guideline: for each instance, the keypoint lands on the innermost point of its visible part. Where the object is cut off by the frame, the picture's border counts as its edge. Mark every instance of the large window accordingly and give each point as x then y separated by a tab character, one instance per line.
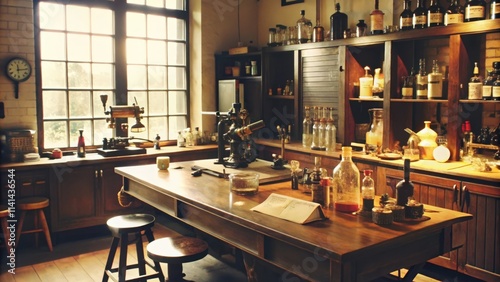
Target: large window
133	51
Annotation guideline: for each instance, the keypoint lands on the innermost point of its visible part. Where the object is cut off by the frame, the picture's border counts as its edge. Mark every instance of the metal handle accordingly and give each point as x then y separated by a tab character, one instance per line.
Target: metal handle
101	173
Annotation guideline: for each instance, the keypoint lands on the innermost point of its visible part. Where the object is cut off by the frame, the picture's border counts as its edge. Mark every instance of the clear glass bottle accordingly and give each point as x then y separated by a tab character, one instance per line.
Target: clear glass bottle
405	18
435	82
304	28
331	133
181	141
377	20
307	128
404	188
318	33
368	190
475	10
338	23
495	9
421	80
475	85
315	131
435	14
419	19
324	112
454	14
366	84
361	28
378	83
407	89
81	145
374	136
271	40
346	183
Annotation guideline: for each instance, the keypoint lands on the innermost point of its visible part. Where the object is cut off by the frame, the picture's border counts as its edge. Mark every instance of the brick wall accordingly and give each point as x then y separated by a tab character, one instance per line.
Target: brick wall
491	112
17	40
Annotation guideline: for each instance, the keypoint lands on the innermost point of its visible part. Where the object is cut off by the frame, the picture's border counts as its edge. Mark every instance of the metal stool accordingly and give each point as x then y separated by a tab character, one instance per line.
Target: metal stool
36	204
175	252
4	214
120	227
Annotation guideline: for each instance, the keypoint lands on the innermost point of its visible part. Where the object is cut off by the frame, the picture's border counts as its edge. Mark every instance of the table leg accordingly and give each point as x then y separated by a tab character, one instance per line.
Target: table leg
413	271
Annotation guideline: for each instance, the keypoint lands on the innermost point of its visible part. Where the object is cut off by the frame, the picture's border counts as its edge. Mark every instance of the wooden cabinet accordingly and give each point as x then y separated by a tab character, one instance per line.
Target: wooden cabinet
478	257
27	183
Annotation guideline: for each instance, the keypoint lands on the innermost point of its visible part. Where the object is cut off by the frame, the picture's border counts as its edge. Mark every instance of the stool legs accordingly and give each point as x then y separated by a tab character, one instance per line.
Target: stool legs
45	227
175	272
149	235
39	218
122	265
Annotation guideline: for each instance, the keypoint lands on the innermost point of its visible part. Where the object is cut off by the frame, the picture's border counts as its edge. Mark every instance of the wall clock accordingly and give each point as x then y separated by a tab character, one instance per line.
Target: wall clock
18	70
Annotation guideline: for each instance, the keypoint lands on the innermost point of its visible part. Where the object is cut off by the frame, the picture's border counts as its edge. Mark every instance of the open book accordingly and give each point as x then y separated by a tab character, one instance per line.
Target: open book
291	209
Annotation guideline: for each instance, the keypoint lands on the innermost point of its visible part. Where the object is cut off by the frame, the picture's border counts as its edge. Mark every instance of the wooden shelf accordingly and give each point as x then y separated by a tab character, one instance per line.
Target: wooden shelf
419	100
281	97
478	101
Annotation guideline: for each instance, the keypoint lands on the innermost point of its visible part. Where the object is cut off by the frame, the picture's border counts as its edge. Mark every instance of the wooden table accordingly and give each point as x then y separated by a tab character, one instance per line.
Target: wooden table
345	247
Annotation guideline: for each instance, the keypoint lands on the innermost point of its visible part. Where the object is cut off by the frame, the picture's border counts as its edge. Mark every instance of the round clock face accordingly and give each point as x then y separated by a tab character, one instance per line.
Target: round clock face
18	69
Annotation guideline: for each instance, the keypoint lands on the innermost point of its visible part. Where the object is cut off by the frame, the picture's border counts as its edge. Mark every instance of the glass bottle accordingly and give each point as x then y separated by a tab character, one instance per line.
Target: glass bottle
407	89
405	18
427	142
361	28
346	183
419	19
318	33
454	14
366	84
81	145
488	85
331	133
338	23
304	28
181	141
324	112
271	40
475	85
307	128
435	14
378	83
375	134
494	9
315	130
404	188
421	81
475	10
377	20
435	82
495	90
368	190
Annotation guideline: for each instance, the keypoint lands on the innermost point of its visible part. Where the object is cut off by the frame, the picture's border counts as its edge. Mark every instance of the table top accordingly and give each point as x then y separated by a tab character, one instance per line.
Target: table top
343	235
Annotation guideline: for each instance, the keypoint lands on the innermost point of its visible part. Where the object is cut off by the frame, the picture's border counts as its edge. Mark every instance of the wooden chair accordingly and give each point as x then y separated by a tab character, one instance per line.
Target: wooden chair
121	227
175	252
36	205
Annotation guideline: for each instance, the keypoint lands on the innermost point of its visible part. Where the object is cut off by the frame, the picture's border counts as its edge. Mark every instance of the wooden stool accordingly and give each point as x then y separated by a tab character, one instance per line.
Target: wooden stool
120	227
175	251
36	204
4	215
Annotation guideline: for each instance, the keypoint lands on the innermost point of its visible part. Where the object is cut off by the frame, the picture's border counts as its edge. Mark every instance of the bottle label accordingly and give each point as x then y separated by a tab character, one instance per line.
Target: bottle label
420	20
435	18
453	19
377	22
495	9
407	92
421	86
495	93
475	90
487	89
406	22
474	12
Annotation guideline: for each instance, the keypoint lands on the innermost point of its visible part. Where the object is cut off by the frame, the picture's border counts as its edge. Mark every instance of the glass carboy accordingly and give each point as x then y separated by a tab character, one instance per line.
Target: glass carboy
346	183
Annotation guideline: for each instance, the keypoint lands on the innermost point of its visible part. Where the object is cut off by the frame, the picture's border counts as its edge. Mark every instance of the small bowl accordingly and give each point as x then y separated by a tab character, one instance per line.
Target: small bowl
244	183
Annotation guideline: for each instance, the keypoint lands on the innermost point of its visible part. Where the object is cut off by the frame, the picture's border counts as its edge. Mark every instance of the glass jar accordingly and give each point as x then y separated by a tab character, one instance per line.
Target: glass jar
375	134
271	41
427	142
244	183
346	183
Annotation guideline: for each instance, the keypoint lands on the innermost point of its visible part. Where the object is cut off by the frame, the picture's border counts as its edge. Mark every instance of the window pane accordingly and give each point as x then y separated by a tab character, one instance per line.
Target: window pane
138	98
157	52
177	102
157	77
102	49
136	51
53	45
54	104
157	103
136	77
176	78
52	16
139	2
102	21
177	53
103	76
55	134
98	108
155	3
78	47
158	125
79	104
136	24
101	131
157	27
74	127
78	18
175	124
53	75
176	29
79	75
176	5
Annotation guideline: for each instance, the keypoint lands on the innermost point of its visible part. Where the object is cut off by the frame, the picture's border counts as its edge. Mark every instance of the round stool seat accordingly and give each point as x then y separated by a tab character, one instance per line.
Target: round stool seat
32	203
177	250
130	223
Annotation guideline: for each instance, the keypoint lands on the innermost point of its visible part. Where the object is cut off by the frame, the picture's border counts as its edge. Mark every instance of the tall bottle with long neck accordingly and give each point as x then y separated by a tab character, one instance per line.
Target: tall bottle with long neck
307	128
421	81
377	20
315	130
331	133
405	18
404	188
420	15
338	23
346	183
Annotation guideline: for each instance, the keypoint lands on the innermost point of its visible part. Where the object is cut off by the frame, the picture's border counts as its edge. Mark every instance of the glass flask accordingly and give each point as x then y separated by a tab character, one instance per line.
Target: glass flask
374	135
315	130
346	183
331	132
307	128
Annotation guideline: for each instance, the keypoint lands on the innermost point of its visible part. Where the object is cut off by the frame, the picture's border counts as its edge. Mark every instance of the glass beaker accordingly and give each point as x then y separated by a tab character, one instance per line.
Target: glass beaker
374	135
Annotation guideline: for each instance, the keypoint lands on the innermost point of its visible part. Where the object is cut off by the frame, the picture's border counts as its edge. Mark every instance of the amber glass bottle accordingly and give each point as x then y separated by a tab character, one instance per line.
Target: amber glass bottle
435	14
405	18
377	20
475	10
404	188
420	15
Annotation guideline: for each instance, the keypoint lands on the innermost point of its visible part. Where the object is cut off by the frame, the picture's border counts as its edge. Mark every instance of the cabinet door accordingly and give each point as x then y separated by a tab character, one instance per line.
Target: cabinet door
73	197
27	184
481	255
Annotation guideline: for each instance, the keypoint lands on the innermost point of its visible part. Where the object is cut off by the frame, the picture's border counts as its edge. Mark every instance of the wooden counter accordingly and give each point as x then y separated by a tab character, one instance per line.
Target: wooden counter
345	247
